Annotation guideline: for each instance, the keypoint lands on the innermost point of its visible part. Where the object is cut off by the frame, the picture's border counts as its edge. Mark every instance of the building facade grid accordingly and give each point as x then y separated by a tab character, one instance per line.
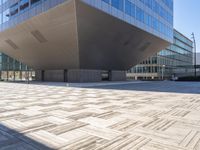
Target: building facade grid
11	69
152	16
177	59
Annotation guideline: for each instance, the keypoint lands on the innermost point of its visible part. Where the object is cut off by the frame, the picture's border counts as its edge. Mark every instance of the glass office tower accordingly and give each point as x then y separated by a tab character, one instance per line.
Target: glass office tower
154	16
63	39
14	12
175	60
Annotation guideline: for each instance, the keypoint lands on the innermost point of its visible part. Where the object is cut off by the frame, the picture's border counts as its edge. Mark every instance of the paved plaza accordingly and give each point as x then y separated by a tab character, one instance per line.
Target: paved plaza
137	116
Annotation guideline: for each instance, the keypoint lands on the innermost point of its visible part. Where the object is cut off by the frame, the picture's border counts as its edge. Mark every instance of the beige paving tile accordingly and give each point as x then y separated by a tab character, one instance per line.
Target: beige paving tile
65	118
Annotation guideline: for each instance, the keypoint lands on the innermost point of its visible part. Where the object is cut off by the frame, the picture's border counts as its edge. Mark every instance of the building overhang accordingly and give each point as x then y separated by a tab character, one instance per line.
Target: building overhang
45	41
75	35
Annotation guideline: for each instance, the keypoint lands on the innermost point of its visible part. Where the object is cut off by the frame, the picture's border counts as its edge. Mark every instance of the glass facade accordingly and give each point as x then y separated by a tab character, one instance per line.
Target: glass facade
154	16
11	69
13	12
175	59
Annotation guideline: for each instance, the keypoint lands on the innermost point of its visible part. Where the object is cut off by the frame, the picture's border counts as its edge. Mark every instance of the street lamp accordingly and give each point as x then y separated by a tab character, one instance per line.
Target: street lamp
195	55
163	66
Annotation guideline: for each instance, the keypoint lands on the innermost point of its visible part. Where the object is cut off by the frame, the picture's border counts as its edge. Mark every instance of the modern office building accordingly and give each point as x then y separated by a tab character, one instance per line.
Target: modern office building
75	40
174	61
13	70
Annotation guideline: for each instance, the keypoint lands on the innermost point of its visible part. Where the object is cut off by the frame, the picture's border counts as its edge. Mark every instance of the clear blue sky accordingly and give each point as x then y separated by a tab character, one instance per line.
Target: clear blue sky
187	18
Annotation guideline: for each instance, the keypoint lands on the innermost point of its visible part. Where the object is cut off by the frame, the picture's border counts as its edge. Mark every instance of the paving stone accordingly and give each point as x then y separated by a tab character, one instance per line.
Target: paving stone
46	117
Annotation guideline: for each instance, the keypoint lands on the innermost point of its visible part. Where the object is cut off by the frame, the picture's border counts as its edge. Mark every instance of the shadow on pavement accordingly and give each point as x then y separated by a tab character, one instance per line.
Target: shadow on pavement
13	140
157	86
151	86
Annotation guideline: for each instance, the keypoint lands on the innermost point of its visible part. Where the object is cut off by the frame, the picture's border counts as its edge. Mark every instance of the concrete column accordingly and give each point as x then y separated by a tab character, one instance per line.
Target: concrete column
65	75
14	75
7	75
42	75
117	75
38	75
20	75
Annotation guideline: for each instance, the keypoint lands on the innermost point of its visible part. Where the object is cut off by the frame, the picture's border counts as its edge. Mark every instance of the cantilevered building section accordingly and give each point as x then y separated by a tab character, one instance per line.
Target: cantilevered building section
74	40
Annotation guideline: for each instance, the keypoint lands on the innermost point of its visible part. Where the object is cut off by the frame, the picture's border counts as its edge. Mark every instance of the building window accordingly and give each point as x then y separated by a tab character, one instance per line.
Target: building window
14	9
24	4
119	4
34	1
139	14
6	15
129	8
4	1
106	1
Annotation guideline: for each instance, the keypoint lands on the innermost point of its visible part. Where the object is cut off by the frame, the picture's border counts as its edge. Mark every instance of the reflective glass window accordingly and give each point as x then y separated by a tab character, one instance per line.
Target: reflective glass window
119	4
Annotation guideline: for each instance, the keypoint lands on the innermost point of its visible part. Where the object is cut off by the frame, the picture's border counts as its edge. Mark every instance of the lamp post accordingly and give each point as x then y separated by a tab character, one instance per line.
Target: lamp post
195	55
163	66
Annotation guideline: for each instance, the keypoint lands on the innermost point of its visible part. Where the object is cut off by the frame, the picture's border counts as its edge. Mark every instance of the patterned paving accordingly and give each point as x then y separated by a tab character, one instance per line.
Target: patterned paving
65	118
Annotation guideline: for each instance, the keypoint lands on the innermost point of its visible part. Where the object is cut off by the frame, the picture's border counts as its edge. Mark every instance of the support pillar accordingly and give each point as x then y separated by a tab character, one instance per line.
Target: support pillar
20	75
42	75
65	75
31	75
7	75
39	75
14	75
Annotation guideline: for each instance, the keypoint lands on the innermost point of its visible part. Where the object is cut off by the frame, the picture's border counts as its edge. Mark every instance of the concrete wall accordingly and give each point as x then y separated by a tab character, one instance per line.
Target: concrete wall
117	75
54	75
84	75
78	75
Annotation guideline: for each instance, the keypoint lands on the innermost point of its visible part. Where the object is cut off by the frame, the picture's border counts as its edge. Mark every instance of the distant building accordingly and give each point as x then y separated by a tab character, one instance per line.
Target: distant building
175	60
